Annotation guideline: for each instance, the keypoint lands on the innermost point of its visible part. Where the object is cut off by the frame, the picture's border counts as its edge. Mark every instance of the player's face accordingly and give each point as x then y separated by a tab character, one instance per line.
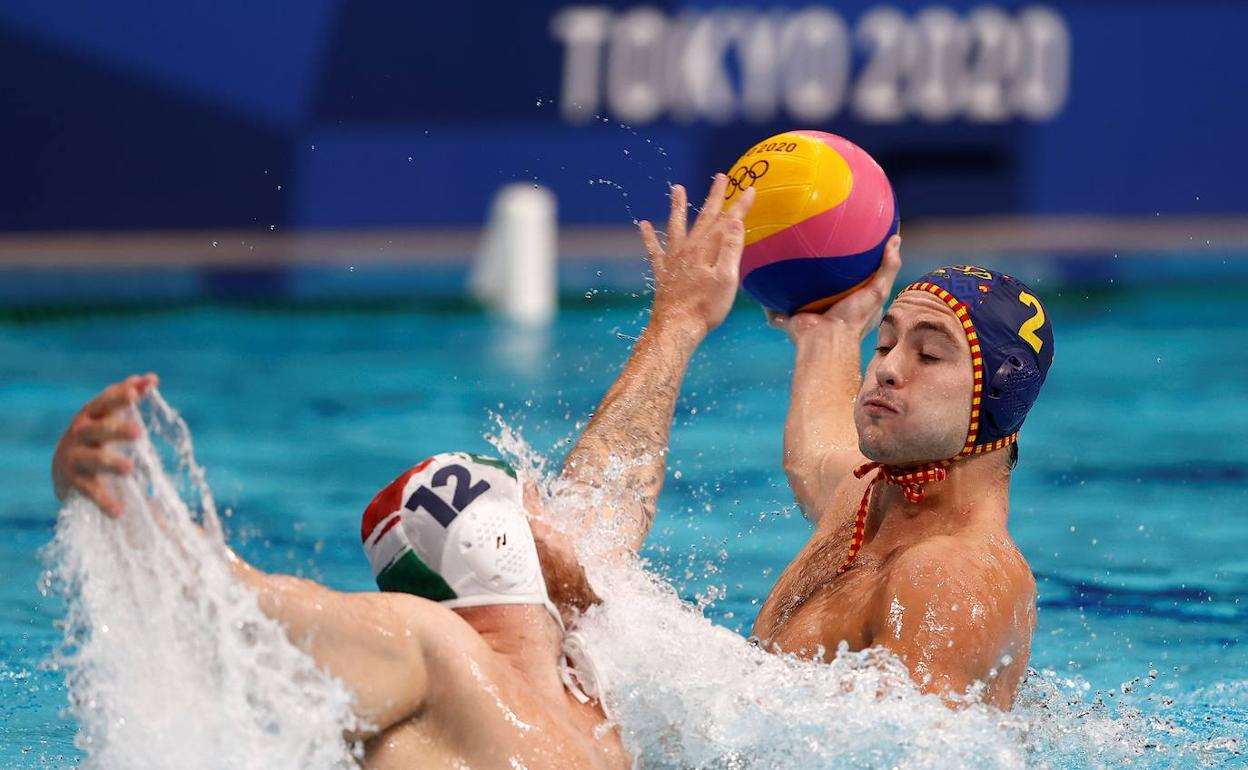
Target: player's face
915	402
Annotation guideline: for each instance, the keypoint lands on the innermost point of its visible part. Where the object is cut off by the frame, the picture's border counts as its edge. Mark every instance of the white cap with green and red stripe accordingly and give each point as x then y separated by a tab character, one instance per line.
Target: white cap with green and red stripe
453	529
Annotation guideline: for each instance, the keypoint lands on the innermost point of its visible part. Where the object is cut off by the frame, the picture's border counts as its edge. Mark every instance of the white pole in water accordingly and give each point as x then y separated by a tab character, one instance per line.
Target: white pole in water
514	273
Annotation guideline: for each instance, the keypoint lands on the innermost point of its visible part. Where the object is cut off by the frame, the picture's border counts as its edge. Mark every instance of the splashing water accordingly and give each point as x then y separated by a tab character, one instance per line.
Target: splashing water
170	663
168	659
619	188
689	694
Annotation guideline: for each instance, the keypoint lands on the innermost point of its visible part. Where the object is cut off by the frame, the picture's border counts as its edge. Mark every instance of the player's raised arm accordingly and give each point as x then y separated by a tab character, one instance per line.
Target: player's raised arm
820	441
619	461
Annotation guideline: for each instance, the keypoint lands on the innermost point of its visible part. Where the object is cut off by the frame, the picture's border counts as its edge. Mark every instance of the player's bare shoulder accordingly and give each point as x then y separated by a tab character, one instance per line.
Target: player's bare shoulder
447	642
456	662
961	607
985	567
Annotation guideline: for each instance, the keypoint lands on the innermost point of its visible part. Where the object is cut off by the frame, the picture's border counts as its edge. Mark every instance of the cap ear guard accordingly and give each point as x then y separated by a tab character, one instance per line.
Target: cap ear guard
1011	342
997	313
1010	392
495	551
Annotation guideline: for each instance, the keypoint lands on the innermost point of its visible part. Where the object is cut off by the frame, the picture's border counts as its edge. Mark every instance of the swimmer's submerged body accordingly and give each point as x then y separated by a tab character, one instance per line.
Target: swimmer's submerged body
463	660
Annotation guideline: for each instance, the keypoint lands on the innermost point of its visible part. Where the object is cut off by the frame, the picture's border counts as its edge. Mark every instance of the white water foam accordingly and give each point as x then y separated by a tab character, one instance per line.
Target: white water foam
168	659
170	663
689	694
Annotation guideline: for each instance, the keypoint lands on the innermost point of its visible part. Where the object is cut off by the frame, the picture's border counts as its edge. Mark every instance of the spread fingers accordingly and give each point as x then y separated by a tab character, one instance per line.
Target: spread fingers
742	204
650	240
677	221
120	394
116	428
95	461
712	205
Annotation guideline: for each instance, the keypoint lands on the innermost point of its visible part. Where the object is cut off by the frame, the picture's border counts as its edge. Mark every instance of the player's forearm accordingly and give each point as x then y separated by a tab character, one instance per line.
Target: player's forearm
620	458
819	435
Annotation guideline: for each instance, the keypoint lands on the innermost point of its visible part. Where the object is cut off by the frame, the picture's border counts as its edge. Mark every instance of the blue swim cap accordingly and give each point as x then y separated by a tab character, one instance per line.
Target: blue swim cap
1011	347
1011	351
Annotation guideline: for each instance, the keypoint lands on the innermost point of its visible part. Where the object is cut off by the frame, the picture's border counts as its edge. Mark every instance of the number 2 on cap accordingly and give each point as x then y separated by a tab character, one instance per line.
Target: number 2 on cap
1028	330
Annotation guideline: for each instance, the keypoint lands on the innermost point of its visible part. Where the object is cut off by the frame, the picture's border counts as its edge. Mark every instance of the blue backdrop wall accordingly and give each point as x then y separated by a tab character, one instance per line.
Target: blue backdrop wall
342	113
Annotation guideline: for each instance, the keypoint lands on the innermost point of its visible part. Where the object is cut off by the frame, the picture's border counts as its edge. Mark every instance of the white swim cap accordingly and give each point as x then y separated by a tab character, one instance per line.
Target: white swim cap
453	529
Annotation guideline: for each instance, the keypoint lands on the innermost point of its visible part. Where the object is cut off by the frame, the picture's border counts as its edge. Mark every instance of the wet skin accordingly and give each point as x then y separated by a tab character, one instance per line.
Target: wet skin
480	687
939	583
477	687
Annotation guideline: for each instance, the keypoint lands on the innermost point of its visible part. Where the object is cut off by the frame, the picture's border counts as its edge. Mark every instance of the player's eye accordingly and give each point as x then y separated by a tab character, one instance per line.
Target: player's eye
883	350
928	357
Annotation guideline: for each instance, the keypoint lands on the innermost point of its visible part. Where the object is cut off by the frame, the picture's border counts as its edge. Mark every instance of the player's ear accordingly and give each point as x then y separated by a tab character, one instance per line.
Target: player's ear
532	499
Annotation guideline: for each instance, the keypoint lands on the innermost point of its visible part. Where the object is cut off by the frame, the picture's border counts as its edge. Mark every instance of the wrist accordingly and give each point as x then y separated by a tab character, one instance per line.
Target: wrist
829	332
837	346
682	326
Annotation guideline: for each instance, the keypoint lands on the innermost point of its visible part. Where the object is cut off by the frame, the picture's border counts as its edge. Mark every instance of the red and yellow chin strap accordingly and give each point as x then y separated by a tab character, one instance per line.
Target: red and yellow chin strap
912	479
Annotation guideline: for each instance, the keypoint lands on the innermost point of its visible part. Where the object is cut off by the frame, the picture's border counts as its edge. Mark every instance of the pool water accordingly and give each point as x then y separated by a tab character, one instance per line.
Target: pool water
1130	500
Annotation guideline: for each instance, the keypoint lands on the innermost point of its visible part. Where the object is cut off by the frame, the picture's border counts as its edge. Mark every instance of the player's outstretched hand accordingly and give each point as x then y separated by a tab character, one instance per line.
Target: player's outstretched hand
696	273
83	455
860	312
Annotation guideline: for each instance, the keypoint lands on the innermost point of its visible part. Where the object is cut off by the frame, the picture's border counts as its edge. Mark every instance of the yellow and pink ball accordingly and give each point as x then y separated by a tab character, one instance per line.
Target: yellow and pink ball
823	212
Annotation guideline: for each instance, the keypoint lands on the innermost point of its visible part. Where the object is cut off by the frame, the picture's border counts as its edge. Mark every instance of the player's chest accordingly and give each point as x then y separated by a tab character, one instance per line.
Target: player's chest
812	607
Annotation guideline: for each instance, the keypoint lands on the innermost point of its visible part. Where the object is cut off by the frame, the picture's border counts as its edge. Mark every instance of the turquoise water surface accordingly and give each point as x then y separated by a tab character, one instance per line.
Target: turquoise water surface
1130	500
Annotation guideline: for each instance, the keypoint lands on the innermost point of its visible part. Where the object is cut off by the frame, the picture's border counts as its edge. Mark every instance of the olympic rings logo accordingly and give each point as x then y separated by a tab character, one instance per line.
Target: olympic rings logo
744	177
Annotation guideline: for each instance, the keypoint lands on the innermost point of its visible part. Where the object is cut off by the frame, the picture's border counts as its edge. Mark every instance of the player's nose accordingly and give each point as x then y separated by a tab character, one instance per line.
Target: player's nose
888	371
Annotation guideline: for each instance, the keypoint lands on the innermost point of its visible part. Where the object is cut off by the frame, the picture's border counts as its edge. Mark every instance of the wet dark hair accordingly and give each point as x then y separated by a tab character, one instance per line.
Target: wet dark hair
1013	455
